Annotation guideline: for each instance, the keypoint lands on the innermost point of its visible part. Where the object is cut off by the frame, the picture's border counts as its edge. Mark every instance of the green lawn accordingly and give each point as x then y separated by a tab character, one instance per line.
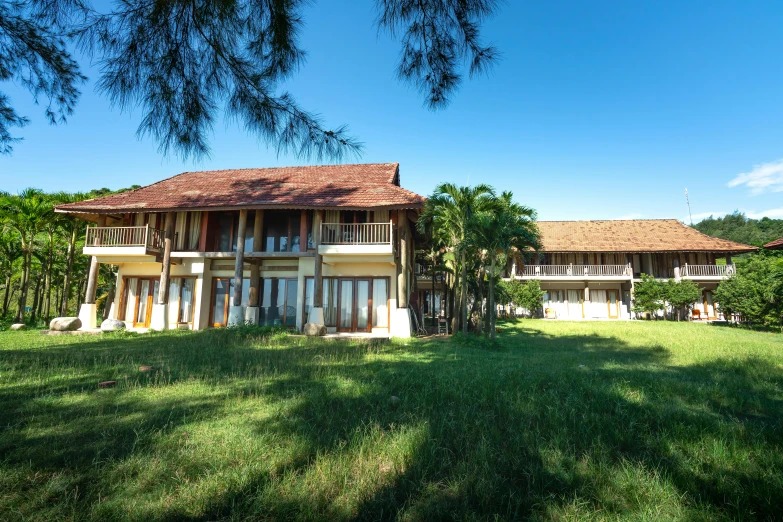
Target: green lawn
629	420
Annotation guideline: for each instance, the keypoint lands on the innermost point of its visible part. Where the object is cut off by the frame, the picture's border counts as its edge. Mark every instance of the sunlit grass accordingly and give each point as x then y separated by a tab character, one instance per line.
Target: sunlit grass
560	421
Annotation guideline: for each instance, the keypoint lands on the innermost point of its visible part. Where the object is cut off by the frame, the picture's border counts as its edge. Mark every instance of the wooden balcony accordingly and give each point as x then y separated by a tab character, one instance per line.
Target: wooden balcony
707	272
356	238
133	241
575	272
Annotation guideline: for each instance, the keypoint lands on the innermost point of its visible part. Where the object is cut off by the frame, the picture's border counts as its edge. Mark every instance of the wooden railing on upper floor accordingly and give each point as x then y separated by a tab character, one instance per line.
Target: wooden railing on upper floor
143	236
576	271
707	270
356	233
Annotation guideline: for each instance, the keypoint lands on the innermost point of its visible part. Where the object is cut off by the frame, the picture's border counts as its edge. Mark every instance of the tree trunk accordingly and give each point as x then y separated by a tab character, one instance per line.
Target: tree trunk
491	300
432	301
7	293
57	296
36	299
35	312
26	259
109	300
68	272
48	281
463	305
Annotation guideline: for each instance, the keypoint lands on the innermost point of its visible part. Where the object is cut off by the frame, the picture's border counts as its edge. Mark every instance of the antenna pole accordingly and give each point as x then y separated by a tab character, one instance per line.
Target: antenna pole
688	201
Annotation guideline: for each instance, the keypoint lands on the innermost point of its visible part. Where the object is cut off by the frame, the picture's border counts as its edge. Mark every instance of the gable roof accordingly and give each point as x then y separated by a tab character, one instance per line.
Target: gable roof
327	186
632	235
775	245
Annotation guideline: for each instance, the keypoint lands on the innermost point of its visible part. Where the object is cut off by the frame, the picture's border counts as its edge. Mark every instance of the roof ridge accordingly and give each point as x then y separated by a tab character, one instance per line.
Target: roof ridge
603	220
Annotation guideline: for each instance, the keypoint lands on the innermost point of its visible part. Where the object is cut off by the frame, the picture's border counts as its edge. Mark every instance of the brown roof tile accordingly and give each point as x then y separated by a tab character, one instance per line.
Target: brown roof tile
637	235
337	186
775	245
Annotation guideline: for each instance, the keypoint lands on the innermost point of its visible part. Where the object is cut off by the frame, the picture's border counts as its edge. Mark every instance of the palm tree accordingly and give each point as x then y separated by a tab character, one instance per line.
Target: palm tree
449	211
71	225
506	227
10	252
27	213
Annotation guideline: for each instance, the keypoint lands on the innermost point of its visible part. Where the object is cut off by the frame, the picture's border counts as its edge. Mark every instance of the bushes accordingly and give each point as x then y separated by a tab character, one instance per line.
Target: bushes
755	292
527	295
652	295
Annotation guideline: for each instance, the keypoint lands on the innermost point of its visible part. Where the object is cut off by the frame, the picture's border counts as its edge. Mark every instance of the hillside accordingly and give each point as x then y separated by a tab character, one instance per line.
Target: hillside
738	227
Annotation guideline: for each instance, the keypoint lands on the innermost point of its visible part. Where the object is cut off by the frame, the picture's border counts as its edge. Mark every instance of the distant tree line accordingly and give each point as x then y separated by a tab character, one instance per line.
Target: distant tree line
42	271
738	227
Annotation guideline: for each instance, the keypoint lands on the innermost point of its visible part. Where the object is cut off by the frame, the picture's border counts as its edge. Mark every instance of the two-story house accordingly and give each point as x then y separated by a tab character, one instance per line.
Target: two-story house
327	244
588	268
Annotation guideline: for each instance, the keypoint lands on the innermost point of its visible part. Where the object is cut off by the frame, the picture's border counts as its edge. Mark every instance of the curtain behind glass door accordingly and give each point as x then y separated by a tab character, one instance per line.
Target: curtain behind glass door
141	315
219	302
380	309
346	304
132	284
362	304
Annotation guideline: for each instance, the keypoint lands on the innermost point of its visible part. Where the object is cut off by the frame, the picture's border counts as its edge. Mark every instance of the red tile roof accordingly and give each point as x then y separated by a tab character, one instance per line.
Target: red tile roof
327	186
633	235
775	245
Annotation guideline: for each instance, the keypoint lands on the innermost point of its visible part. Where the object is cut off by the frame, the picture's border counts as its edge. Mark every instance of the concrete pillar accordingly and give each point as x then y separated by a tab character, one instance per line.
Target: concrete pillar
89	310
253	312
159	319
402	320
317	310
236	314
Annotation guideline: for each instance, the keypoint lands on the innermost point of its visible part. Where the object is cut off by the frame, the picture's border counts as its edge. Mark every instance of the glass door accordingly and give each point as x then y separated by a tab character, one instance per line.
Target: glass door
345	306
363	305
143	304
220	295
614	305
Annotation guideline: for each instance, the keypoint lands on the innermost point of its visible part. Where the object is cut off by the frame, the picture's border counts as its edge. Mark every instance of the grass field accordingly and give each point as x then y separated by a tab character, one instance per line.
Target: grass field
561	421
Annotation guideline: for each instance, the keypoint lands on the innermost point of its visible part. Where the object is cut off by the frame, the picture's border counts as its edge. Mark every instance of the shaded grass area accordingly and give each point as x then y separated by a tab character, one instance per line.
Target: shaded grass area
560	421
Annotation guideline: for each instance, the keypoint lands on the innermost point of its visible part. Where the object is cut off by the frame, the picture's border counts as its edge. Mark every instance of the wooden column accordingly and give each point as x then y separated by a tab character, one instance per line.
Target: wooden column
402	274
202	238
255	268
92	278
168	239
318	286
239	265
303	231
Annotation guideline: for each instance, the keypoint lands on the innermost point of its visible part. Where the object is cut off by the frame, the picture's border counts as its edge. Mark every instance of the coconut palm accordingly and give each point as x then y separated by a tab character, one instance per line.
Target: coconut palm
10	253
71	227
506	227
449	211
27	213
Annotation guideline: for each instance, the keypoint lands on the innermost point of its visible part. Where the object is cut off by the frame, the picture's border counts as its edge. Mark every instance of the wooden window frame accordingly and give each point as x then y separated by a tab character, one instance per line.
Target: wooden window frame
212	323
609	303
179	299
370	279
285	293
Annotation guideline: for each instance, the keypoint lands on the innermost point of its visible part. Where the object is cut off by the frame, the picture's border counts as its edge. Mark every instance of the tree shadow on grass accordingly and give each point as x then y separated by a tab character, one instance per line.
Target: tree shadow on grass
547	426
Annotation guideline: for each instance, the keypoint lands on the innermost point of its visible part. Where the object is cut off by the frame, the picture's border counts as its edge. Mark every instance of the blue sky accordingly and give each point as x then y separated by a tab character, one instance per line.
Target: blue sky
597	110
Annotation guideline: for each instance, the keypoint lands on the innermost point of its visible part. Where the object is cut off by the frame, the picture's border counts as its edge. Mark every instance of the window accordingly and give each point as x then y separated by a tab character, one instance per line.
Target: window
282	231
380	303
278	301
249	227
182	291
349	302
225	228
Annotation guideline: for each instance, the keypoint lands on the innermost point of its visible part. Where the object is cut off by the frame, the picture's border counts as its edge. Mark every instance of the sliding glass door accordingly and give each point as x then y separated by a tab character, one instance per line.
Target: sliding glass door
352	304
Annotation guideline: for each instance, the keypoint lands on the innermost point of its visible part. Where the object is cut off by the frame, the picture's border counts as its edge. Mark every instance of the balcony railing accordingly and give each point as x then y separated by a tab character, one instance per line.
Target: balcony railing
576	271
707	270
145	236
356	233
